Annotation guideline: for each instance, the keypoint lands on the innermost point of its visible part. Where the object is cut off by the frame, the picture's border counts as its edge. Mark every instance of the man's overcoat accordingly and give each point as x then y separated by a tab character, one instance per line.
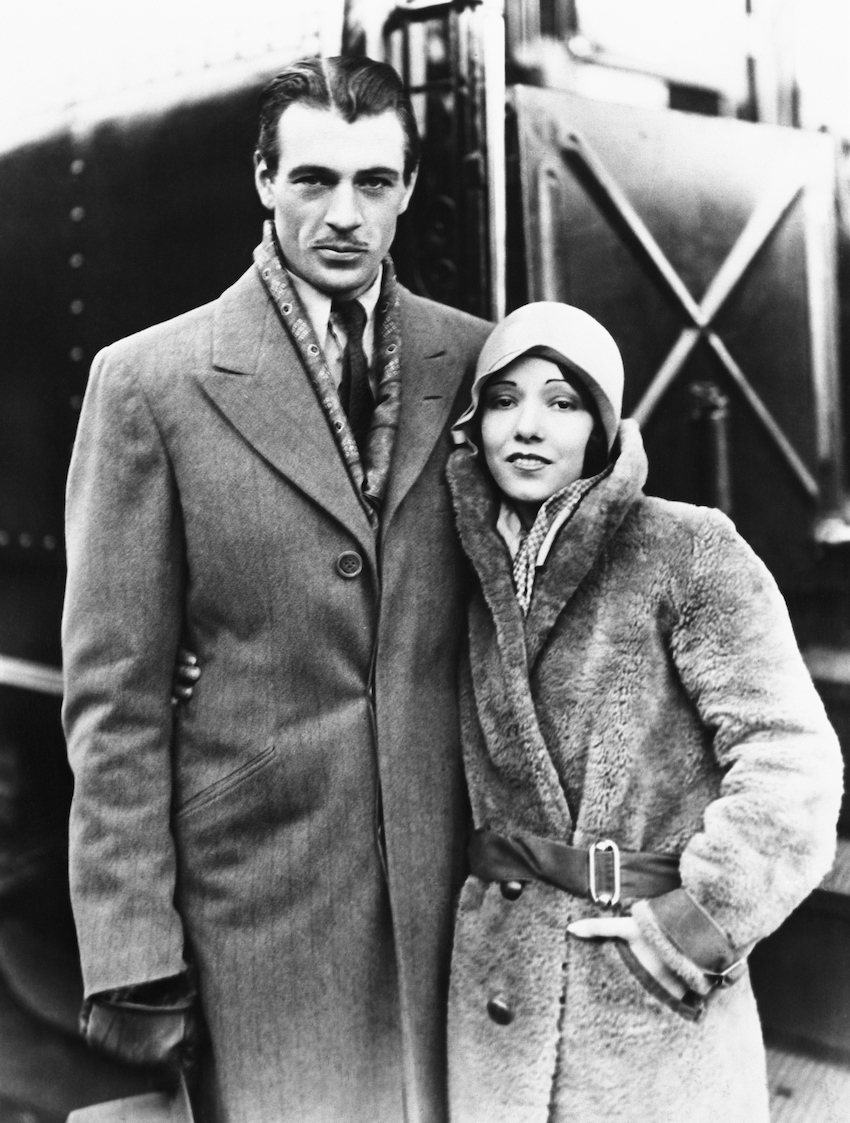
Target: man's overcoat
297	827
654	695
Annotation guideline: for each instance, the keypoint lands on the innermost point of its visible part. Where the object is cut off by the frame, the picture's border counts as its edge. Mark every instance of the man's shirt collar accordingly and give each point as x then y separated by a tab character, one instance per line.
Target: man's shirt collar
317	305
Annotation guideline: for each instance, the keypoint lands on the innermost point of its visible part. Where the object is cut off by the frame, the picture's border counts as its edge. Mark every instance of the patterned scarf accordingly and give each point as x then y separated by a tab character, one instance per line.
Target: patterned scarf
559	508
370	473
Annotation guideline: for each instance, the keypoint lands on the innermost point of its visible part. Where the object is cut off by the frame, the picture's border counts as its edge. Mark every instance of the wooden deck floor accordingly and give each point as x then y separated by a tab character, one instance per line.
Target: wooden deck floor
804	1089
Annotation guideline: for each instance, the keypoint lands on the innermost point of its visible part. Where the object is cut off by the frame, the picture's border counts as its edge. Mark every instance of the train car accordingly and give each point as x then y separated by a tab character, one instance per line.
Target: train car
712	248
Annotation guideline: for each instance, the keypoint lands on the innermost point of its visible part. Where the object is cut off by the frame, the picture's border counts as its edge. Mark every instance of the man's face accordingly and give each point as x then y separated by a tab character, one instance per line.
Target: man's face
336	195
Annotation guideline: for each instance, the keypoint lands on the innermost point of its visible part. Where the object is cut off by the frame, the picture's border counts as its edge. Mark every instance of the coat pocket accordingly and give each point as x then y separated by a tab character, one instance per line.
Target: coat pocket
227	783
691	1007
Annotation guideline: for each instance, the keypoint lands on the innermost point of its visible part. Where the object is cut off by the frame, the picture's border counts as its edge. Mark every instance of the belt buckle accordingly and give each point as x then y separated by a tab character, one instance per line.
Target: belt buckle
606	899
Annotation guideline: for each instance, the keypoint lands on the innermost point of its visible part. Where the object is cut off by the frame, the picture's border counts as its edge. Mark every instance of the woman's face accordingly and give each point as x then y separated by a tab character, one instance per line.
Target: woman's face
534	432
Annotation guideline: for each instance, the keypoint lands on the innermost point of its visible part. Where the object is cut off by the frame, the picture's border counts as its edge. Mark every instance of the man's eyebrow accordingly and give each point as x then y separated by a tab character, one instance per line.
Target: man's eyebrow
310	169
362	173
394	173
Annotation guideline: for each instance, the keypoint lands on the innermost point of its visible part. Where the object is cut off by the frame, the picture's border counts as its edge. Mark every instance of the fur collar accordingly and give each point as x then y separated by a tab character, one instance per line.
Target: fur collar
503	646
580	542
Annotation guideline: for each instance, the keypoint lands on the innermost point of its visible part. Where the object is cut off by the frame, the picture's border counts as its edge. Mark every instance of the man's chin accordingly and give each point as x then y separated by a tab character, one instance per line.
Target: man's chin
343	282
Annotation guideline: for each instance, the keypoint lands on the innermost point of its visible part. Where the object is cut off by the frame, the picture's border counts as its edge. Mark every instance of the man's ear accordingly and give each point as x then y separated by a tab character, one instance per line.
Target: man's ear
263	180
408	190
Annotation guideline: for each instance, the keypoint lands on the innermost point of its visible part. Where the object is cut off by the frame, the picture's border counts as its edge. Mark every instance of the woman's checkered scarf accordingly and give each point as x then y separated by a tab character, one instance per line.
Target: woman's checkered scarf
370	472
525	560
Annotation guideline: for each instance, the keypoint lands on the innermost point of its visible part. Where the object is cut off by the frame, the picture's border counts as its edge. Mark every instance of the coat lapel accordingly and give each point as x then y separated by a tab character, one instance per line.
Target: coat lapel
476	509
503	699
258	382
504	647
430	380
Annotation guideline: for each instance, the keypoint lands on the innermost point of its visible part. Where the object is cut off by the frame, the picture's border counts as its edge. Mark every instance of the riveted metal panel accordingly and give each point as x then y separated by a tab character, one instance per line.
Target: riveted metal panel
103	231
706	246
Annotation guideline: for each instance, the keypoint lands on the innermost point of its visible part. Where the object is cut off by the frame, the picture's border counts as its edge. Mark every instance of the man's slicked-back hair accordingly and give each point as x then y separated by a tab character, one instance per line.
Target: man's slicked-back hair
351	85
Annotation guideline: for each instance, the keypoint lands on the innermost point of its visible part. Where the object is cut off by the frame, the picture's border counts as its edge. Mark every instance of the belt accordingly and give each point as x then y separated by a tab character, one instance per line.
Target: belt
603	872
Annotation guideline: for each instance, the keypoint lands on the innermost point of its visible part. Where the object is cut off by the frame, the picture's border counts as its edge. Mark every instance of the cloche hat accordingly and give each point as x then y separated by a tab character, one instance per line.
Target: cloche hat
566	336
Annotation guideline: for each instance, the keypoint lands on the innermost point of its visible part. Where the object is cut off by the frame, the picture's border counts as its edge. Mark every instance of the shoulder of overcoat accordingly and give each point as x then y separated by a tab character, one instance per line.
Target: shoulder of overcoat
677	532
429	328
657	517
235	319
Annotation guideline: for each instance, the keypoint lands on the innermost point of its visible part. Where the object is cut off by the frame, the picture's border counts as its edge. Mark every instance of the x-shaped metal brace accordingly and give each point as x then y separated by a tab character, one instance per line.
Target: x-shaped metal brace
768	213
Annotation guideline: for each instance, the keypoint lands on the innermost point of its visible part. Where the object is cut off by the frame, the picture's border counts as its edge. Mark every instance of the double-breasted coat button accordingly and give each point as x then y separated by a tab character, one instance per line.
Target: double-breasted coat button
511	890
349	564
499	1011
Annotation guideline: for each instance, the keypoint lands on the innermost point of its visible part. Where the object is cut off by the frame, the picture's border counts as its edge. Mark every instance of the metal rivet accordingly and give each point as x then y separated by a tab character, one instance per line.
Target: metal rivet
287	308
267	273
25	540
76	354
512	890
78	167
313	349
78	214
338	426
76	307
76	260
499	1011
391	349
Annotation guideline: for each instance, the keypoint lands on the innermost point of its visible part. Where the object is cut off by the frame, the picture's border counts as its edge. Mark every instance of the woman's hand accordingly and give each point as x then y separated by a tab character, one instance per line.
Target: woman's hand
186	674
624	928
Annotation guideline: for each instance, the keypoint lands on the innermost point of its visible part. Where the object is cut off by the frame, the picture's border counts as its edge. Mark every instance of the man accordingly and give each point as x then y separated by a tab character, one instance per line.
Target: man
263	478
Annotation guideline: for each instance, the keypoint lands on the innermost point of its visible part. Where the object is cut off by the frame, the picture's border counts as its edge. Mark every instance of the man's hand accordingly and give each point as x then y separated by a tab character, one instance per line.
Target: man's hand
186	674
152	1024
624	928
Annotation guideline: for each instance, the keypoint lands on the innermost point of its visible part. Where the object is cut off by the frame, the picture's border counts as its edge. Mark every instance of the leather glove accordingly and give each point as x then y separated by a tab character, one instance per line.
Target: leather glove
154	1024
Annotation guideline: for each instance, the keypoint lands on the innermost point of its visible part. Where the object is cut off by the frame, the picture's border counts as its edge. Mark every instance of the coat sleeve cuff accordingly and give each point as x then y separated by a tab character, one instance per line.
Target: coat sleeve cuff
689	927
692	933
679	963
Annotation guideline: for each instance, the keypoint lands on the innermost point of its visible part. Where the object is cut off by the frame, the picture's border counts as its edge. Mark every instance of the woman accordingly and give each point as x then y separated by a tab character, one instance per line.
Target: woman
653	780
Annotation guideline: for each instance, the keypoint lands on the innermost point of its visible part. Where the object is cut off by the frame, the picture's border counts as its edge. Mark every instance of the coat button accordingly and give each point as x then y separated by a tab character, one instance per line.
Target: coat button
499	1011
349	563
511	890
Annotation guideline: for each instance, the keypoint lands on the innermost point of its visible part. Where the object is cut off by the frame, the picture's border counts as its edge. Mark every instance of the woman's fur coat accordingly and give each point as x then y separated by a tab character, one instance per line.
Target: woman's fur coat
655	696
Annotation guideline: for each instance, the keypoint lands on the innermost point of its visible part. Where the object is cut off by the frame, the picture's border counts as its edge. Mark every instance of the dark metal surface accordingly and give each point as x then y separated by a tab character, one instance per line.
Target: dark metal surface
706	247
711	447
101	234
440	248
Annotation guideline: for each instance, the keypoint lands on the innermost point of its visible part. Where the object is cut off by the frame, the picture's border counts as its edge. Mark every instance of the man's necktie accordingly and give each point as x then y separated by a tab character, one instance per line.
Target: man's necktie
354	390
